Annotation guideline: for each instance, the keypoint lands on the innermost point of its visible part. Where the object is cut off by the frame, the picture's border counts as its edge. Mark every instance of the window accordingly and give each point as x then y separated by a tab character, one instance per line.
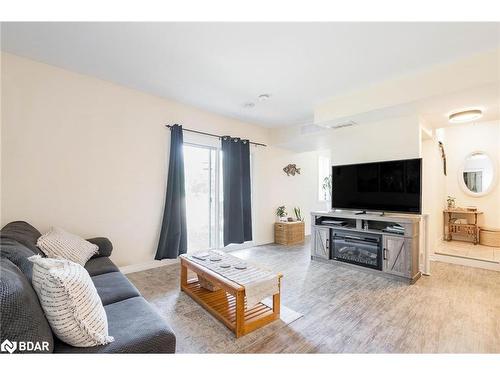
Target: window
203	194
324	179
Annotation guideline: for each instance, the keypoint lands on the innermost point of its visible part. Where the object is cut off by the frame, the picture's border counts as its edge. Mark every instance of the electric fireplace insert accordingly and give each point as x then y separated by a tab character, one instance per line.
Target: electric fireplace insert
363	249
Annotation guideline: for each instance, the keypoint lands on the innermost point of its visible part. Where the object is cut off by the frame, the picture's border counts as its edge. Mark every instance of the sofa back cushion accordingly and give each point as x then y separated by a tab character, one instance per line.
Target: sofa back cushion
24	233
21	316
17	254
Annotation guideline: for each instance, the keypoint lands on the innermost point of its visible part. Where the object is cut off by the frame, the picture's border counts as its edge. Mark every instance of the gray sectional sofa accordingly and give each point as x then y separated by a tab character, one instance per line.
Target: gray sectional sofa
135	325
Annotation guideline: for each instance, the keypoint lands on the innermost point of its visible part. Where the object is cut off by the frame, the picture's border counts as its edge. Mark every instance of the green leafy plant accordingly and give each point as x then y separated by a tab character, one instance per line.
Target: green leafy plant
298	214
450	201
327	187
281	211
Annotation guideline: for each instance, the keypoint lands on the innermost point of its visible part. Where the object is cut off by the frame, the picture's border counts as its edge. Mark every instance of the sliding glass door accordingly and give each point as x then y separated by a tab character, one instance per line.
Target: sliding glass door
203	196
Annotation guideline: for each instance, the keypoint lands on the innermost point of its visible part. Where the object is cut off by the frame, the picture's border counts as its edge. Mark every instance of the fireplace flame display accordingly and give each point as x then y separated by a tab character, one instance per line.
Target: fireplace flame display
364	250
357	255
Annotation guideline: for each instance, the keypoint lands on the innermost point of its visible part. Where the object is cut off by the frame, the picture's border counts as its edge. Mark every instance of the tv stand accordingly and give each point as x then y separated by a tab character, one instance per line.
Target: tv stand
399	250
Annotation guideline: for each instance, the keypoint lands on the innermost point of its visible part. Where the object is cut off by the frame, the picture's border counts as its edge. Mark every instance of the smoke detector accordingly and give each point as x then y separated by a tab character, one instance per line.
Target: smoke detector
264	97
249	105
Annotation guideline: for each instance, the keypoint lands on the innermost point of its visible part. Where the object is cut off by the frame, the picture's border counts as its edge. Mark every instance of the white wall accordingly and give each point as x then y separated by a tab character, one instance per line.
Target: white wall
461	140
391	139
433	190
458	142
395	137
91	157
300	190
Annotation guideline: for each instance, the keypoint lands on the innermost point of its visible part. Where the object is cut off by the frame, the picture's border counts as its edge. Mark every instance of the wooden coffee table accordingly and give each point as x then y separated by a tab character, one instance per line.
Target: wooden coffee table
228	304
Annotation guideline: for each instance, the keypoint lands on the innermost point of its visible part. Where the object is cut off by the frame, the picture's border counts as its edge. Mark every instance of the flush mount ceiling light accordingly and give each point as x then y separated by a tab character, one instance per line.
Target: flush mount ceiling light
465	116
264	97
249	105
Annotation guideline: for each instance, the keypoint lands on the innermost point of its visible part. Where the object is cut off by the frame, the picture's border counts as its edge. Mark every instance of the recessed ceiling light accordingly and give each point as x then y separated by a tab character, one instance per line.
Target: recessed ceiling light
264	97
249	105
465	116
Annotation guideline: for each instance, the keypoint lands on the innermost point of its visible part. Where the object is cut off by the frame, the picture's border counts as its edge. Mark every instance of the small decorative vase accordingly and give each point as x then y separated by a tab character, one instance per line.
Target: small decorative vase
328	206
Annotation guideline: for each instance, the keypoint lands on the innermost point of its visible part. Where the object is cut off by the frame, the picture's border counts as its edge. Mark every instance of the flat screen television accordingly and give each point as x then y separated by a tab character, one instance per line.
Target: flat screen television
392	186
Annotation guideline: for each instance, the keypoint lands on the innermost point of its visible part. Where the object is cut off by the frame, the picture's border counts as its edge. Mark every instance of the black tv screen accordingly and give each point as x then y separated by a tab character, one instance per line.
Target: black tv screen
393	186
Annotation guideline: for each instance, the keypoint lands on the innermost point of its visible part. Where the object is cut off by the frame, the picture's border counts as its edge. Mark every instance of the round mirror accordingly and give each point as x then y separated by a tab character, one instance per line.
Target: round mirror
478	174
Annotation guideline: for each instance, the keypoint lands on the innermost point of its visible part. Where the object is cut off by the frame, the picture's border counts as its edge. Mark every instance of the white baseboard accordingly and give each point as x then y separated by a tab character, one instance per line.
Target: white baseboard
148	265
466	262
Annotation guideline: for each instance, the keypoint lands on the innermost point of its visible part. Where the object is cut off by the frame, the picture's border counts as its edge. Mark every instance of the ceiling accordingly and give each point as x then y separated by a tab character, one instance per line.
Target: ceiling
436	110
221	66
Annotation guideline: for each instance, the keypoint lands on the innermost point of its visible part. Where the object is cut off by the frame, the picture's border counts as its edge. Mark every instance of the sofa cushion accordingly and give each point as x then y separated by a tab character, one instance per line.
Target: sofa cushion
21	316
17	254
113	287
23	233
136	327
57	243
98	266
70	302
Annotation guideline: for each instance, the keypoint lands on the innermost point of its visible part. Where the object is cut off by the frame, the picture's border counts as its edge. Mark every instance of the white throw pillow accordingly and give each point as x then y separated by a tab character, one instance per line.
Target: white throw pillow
70	302
57	243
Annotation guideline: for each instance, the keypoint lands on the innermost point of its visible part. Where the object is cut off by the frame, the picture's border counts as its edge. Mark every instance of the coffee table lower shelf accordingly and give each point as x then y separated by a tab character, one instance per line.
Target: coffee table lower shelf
223	306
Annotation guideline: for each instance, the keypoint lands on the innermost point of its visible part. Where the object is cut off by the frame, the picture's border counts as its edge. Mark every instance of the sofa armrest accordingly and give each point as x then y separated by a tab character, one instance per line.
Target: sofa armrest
104	244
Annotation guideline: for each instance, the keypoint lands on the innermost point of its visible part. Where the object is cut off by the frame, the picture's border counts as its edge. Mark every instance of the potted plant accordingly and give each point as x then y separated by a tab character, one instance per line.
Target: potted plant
281	213
298	214
327	190
327	187
451	202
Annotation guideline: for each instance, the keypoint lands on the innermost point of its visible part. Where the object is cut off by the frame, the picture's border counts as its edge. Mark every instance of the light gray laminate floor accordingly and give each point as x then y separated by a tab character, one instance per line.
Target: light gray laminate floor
457	309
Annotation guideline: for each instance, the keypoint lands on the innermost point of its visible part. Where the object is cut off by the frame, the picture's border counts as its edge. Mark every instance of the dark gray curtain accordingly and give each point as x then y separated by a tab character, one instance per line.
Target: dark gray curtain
237	194
173	235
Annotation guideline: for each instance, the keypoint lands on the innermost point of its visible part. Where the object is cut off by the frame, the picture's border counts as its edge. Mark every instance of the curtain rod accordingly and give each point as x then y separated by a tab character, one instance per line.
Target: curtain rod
214	135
